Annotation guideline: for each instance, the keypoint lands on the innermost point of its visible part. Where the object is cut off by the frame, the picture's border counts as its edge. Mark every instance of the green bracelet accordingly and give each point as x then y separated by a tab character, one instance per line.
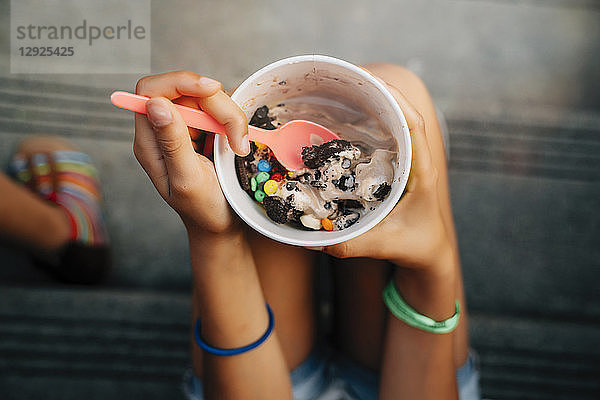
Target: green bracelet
406	313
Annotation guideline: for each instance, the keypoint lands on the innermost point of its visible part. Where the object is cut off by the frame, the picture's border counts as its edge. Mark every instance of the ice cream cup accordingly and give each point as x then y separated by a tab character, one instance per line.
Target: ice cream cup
316	74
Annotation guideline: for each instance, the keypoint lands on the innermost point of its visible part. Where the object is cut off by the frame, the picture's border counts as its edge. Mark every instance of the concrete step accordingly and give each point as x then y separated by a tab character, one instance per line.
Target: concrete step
528	244
552	150
97	343
93	344
536	358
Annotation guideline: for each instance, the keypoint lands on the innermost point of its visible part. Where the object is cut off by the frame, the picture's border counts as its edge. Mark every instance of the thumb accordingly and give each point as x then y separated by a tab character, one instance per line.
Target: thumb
172	138
360	246
228	113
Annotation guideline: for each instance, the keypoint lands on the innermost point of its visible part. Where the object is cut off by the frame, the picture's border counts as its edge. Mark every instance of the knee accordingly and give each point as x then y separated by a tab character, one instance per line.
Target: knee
408	83
396	75
385	68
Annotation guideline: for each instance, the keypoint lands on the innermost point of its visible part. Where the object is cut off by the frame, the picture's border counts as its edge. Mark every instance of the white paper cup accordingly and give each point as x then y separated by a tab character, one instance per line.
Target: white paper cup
326	75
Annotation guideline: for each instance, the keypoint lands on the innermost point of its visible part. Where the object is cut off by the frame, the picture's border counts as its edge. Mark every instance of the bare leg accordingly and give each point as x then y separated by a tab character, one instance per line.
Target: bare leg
359	311
286	277
24	216
356	279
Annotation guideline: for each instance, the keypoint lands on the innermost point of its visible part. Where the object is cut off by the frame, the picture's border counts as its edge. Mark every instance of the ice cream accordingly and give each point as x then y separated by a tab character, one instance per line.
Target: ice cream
341	182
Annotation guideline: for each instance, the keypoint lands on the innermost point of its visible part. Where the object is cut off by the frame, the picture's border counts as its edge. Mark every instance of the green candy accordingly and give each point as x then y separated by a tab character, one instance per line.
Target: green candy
262	177
253	184
259	195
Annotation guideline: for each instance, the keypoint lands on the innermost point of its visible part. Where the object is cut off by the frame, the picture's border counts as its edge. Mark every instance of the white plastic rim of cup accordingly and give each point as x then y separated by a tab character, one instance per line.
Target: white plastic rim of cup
312	73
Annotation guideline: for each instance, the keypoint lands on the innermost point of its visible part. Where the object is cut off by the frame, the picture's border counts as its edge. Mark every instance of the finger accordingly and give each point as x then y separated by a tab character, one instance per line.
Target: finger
229	114
21	169
359	246
173	140
215	102
422	166
188	101
42	173
176	84
149	155
199	137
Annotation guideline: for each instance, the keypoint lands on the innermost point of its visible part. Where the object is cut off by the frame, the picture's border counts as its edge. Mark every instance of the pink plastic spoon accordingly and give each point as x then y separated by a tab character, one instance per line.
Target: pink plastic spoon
286	141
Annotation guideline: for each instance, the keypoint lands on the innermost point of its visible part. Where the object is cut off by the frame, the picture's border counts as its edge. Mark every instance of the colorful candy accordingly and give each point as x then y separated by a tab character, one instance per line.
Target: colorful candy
264	166
260	146
277	177
327	224
270	186
253	184
259	196
262	177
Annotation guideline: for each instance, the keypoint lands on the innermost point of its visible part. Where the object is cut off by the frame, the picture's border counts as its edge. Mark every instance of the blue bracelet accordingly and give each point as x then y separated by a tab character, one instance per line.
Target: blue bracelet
233	352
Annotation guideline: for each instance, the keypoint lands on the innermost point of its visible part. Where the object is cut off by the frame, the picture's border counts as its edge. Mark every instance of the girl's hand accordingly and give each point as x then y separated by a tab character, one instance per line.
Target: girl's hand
413	234
164	148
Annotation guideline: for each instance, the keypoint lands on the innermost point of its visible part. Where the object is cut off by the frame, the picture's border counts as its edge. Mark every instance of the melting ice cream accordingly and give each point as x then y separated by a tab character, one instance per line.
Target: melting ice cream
342	181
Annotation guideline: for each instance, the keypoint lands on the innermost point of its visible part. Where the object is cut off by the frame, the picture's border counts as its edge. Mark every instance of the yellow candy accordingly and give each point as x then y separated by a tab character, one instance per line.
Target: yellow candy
260	146
270	186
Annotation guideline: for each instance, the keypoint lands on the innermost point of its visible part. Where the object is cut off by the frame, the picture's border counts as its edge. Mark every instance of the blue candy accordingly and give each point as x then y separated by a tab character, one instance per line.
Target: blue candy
264	166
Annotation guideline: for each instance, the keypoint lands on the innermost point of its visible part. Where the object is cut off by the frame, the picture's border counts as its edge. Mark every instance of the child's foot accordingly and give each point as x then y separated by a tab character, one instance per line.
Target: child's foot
64	176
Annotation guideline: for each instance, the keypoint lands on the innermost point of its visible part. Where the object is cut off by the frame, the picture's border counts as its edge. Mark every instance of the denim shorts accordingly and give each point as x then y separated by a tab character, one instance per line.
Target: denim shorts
321	377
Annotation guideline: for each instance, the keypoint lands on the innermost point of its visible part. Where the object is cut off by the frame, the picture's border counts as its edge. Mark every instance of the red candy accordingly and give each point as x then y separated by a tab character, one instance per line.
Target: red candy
277	177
